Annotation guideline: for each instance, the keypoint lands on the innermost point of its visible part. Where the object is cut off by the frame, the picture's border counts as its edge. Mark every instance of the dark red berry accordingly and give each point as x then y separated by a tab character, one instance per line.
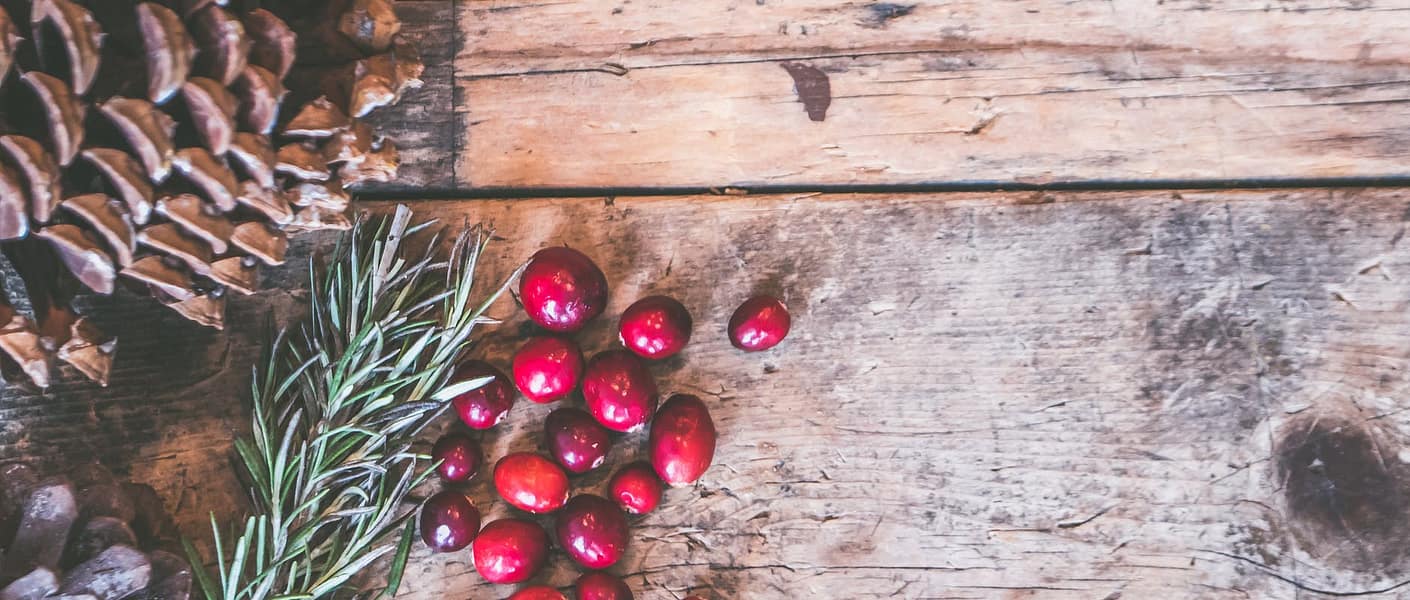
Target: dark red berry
531	482
759	324
655	327
601	586
562	289
547	368
538	592
486	406
619	390
459	455
510	550
592	530
636	488
575	440
682	440
449	521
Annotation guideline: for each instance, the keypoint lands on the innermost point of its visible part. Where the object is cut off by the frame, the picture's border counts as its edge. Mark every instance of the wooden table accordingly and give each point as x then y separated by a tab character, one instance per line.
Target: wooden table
1121	378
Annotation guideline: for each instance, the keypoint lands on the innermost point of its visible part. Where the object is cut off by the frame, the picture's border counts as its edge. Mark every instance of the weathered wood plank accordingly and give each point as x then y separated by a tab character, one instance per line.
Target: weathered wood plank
655	93
985	395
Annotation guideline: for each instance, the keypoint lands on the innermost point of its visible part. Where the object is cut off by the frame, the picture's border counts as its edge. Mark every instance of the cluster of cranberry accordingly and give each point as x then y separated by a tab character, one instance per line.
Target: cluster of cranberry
561	290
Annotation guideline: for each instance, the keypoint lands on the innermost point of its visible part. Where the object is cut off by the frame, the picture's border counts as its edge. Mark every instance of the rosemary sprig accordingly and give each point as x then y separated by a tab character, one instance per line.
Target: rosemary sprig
337	403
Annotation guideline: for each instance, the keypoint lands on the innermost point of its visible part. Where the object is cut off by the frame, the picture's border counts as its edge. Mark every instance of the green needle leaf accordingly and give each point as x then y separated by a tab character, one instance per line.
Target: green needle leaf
336	402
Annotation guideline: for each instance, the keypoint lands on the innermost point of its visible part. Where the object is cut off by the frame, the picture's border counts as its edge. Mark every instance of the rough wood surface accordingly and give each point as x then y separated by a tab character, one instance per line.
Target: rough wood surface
805	92
1086	396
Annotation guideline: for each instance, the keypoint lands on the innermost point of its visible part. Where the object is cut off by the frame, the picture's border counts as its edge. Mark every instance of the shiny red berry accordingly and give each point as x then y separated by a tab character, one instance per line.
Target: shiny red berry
636	488
562	289
601	586
531	482
547	368
510	550
486	406
682	441
538	592
619	390
449	521
759	324
459	455
592	530
575	440
655	327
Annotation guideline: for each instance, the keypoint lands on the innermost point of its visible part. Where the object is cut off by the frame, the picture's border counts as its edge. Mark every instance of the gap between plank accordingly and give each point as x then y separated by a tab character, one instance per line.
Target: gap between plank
406	194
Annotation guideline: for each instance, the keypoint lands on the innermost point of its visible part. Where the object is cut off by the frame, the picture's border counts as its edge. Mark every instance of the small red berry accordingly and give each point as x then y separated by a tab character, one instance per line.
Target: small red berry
575	440
547	368
601	586
759	324
636	488
531	482
655	327
486	406
449	521
538	592
459	455
510	550
619	390
682	440
562	289
592	530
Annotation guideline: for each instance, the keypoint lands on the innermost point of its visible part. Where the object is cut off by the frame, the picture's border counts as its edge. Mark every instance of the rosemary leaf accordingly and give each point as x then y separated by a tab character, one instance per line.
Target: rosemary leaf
336	403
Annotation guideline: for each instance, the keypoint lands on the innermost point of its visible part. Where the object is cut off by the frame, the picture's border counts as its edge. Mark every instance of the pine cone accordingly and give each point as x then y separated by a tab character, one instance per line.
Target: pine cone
154	145
86	537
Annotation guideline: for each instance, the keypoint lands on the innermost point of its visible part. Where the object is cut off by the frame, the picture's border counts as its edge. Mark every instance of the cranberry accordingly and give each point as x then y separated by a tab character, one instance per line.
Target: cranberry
619	391
655	327
510	550
575	440
593	531
449	521
682	440
759	324
486	406
547	368
531	482
460	457
636	488
562	289
538	592
601	586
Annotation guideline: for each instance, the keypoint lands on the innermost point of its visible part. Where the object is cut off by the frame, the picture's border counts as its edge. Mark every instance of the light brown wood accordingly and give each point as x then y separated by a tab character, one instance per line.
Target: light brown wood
659	93
1076	396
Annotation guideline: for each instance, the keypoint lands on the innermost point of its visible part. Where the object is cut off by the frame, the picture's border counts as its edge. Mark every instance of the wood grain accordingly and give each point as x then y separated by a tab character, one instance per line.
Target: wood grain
1087	395
603	93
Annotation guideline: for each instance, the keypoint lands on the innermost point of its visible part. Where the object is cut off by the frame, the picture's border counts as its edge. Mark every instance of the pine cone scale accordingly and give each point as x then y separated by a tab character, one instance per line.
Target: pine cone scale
195	172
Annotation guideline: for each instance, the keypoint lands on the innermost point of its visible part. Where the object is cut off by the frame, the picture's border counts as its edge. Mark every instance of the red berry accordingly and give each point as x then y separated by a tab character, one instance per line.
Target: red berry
486	406
619	391
449	521
601	586
547	368
759	324
538	592
562	289
460	457
593	531
636	488
575	440
682	440
655	327
510	550
531	482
